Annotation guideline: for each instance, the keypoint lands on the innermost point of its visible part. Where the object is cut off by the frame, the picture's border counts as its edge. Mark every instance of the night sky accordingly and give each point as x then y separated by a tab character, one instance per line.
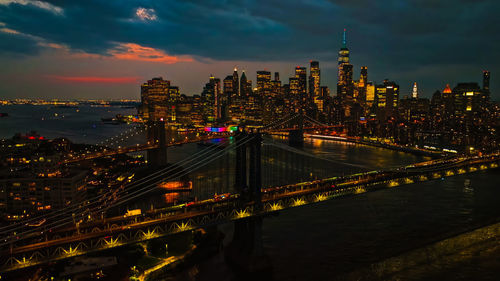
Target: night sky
104	49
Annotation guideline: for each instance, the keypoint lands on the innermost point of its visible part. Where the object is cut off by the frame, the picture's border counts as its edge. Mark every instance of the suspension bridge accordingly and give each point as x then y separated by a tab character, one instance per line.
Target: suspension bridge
246	176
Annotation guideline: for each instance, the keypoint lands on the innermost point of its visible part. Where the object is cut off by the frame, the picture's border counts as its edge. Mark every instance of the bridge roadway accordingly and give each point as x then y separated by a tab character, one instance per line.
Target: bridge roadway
96	236
141	147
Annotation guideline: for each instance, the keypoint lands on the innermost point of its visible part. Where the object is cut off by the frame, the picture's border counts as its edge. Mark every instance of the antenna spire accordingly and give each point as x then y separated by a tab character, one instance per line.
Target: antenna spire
343	39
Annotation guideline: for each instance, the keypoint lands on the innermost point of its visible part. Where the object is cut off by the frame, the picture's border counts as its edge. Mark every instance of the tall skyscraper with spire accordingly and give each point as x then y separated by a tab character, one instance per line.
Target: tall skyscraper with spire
414	93
344	74
345	87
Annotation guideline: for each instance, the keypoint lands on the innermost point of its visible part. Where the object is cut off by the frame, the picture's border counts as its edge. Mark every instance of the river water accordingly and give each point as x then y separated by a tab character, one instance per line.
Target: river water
328	239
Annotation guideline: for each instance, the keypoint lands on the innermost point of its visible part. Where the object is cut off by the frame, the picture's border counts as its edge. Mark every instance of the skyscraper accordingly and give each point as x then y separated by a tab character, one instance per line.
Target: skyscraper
414	93
314	80
236	83
244	85
486	81
228	85
212	95
294	87
486	87
467	98
156	99
263	83
301	75
363	77
387	98
344	75
276	89
362	85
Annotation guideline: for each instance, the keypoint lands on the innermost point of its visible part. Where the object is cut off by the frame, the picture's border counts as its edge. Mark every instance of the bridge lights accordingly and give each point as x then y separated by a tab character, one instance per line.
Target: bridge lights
70	252
242	214
276	207
23	262
408	180
298	202
183	226
112	242
148	235
393	183
320	197
359	190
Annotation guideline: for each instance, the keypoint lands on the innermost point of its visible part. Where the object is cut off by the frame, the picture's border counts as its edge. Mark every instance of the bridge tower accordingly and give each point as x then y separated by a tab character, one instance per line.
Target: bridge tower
296	136
156	135
245	250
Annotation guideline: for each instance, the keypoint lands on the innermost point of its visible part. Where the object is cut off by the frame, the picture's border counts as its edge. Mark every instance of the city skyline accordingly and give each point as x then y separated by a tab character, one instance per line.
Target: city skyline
88	58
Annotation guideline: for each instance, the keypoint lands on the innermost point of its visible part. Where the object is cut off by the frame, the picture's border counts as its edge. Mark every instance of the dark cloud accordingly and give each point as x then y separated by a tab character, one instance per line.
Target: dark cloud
14	44
394	38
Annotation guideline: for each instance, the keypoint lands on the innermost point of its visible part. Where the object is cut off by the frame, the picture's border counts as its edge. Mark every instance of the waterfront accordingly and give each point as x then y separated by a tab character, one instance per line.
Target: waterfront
79	124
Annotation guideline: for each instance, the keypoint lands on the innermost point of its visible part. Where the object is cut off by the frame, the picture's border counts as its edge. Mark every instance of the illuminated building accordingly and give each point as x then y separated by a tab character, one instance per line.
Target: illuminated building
437	108
301	75
228	86
228	95
324	95
486	87
173	93
414	109
466	98
448	101
314	80
213	99
362	85
486	81
344	74
363	76
263	83
447	89
414	93
27	193
370	94
157	99
245	85
236	83
294	87
315	84
276	89
387	98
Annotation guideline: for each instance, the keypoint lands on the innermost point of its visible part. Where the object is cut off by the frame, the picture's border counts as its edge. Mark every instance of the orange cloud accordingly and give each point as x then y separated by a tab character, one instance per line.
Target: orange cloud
96	79
136	52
